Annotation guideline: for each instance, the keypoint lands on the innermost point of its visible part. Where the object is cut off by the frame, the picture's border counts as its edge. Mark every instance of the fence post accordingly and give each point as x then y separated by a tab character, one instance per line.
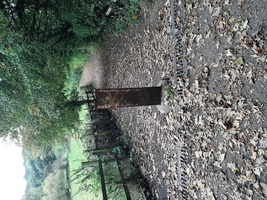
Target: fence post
102	179
99	152
127	97
123	180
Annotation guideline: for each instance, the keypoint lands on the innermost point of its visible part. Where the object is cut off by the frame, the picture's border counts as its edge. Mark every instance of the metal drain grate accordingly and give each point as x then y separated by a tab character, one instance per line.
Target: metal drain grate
179	69
178	58
182	175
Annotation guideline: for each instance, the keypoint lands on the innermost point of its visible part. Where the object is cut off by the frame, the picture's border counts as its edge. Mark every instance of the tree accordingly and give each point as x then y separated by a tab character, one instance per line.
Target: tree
32	78
38	166
33	194
44	20
54	186
15	90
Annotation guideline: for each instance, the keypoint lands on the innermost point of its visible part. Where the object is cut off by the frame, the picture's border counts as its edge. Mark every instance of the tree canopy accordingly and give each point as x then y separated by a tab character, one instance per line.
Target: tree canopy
32	76
45	171
44	20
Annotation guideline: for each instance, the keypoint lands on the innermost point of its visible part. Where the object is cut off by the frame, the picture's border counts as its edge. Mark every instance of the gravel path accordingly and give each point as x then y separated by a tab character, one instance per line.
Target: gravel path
219	120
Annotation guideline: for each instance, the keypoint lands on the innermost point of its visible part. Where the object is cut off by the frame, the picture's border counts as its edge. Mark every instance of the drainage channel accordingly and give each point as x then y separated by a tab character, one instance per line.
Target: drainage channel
178	55
179	69
182	175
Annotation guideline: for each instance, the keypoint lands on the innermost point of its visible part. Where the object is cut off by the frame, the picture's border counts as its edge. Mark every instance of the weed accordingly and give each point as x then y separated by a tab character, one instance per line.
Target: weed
239	62
169	92
71	84
124	15
257	102
118	150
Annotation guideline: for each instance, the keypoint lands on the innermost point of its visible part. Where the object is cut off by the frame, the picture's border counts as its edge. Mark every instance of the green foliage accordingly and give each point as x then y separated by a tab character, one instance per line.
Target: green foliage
118	150
60	151
112	178
71	86
239	62
54	186
126	14
33	69
39	166
43	47
114	187
15	92
32	76
34	194
57	21
79	175
83	17
169	92
76	63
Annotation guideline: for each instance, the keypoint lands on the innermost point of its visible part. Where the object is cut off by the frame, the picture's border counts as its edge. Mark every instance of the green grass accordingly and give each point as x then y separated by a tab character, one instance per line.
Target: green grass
75	157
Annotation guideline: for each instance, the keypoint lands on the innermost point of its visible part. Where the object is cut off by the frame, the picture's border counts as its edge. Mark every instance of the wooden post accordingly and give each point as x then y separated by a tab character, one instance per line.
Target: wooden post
99	152
102	179
127	97
108	132
123	180
89	163
78	103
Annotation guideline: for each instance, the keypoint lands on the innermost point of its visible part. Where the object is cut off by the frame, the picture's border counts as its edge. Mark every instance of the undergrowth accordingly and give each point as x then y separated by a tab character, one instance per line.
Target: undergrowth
122	16
76	65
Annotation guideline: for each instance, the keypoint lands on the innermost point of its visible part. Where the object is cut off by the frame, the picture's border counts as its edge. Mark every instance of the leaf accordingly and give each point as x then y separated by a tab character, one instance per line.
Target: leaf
236	124
228	53
231	166
216	12
236	27
257	171
244	25
200	185
163	174
216	164
239	62
232	20
221	157
249	75
233	74
177	20
198	154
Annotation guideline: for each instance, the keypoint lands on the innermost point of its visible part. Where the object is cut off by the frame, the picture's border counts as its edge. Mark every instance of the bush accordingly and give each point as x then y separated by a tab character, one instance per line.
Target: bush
54	186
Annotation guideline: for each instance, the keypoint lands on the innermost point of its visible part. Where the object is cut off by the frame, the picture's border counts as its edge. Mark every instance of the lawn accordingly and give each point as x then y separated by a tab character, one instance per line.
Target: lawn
75	157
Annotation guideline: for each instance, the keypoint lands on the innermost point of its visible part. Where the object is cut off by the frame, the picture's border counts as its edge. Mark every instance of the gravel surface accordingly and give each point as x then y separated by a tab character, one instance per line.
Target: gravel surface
220	118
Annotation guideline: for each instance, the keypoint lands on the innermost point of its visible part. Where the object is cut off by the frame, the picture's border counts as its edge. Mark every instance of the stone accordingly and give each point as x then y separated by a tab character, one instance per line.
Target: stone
163	109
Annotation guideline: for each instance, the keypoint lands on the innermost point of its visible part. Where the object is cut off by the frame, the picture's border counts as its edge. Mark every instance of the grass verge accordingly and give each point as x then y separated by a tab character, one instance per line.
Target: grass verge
75	157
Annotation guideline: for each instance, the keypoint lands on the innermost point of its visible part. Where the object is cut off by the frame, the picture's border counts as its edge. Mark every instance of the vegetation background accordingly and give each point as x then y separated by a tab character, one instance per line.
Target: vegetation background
44	45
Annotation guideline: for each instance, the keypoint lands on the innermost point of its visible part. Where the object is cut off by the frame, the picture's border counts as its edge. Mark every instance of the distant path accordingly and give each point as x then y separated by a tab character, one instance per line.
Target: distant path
93	71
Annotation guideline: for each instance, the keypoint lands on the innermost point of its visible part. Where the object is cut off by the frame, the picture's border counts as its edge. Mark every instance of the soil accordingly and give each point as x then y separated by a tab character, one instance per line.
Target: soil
220	118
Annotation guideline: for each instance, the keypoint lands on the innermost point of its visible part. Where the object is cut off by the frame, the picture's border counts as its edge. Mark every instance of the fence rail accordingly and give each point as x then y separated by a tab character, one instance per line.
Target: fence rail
105	141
